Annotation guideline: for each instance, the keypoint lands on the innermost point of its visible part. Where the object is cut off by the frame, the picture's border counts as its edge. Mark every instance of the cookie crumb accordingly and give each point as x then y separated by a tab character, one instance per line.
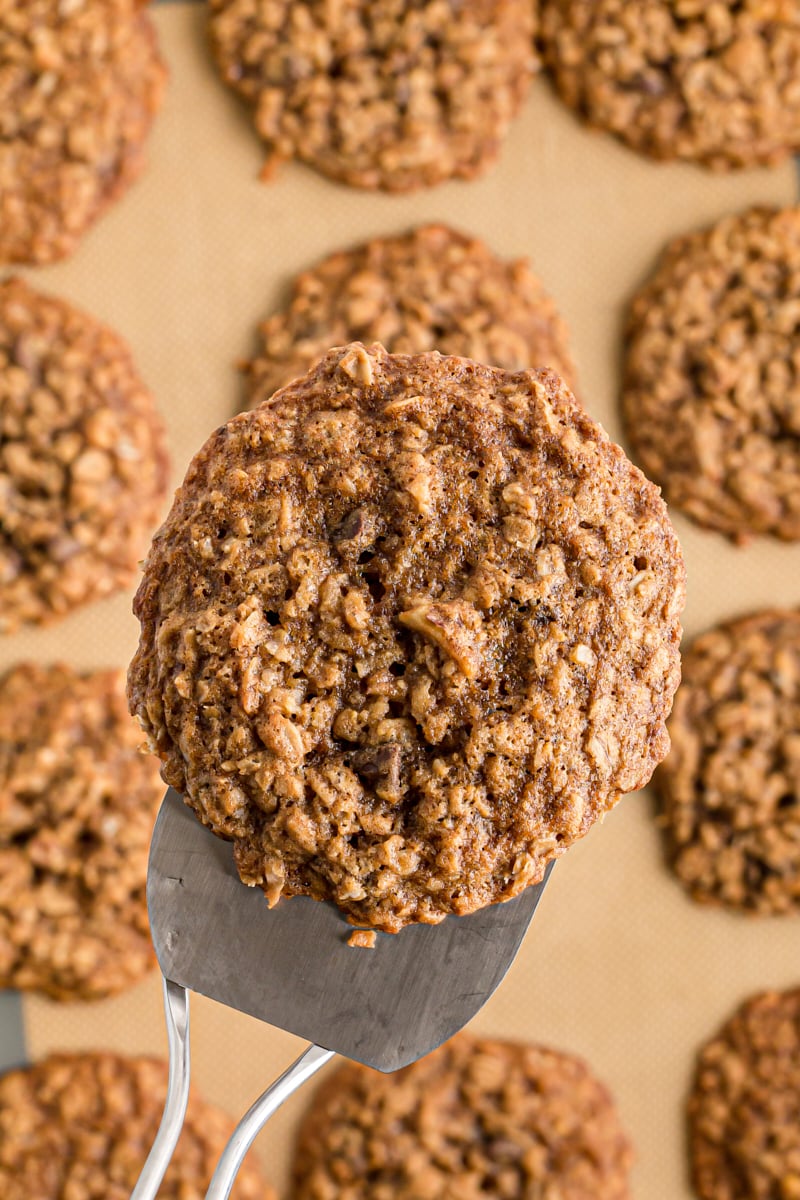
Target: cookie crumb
366	938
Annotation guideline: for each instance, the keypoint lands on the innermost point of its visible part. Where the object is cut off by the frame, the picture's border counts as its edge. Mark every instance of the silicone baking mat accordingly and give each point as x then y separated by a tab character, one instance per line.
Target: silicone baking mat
618	965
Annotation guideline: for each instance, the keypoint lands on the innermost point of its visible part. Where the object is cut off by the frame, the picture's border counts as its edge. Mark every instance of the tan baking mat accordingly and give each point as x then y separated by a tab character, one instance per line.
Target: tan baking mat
618	965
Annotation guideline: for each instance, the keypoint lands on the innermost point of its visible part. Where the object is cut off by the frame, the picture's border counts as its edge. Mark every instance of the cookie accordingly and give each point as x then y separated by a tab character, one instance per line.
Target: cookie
80	1126
83	459
476	1118
744	1136
80	84
77	804
708	83
431	289
409	629
730	788
376	93
711	392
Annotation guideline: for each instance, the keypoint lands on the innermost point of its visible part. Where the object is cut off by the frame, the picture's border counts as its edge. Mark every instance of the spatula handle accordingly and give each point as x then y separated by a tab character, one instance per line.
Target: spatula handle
176	1009
242	1137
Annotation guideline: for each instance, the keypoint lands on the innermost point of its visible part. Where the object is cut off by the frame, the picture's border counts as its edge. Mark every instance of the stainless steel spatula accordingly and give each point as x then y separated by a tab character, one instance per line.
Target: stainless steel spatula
291	966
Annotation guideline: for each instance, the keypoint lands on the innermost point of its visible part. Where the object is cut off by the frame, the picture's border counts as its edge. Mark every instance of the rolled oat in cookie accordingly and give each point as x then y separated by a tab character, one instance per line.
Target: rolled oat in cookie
711	391
476	1118
730	787
79	1127
385	94
744	1136
410	628
83	459
712	82
80	84
431	289
77	803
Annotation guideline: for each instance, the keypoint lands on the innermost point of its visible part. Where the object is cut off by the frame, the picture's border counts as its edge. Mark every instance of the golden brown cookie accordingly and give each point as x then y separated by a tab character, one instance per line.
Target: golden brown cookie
714	83
476	1118
410	628
79	1127
431	289
711	392
378	93
730	787
744	1135
83	459
80	83
77	803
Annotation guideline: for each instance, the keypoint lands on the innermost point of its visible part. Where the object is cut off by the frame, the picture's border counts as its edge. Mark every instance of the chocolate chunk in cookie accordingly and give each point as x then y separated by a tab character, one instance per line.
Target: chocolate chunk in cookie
431	289
744	1136
711	391
714	83
377	93
80	83
410	628
476	1118
730	787
83	460
77	805
81	1126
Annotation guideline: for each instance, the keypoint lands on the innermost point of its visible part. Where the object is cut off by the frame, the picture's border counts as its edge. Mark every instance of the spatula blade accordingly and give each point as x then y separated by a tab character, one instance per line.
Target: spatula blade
291	966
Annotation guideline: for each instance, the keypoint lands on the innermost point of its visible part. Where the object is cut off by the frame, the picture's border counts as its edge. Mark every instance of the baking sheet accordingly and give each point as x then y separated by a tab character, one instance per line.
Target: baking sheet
618	965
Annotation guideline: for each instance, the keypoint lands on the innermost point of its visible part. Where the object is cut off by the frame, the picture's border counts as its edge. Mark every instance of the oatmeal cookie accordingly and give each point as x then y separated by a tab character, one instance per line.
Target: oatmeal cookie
711	392
80	84
431	289
83	460
379	93
744	1136
77	805
476	1118
410	628
715	83
80	1126
730	787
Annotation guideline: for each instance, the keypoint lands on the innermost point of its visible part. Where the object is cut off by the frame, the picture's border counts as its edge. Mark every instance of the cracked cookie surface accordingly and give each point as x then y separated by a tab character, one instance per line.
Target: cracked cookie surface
730	787
77	804
83	459
744	1137
431	289
378	93
80	1126
715	83
477	1117
80	84
711	391
409	629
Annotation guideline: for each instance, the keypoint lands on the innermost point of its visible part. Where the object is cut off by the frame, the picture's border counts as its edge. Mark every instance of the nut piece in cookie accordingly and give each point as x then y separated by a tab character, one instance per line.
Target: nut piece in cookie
711	392
431	289
375	93
77	805
80	1126
410	628
83	459
744	1137
714	83
730	787
80	84
476	1118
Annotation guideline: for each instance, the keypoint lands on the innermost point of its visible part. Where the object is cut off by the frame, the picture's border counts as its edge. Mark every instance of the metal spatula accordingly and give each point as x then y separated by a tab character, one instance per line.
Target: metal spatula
291	966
